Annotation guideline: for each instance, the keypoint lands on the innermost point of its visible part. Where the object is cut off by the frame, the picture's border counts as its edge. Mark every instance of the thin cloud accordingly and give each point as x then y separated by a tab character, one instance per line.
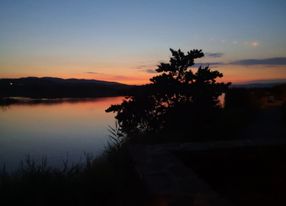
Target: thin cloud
141	67
276	61
145	66
253	44
150	71
111	76
266	81
93	73
209	64
148	68
134	80
214	54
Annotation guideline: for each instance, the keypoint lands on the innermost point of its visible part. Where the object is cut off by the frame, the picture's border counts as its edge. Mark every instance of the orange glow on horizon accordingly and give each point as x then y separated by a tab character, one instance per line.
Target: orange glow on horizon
234	74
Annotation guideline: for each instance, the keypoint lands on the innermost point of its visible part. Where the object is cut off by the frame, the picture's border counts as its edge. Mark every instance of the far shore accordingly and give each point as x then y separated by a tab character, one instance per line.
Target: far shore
6	101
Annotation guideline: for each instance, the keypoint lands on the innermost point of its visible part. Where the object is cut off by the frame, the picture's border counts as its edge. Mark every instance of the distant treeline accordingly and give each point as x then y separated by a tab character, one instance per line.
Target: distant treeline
256	97
48	87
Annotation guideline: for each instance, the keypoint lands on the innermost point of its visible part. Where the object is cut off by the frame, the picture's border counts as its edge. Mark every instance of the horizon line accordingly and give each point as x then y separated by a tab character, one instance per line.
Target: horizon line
257	81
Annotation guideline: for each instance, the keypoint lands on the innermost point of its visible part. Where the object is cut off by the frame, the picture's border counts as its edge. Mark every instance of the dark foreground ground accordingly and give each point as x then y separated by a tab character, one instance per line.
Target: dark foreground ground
244	176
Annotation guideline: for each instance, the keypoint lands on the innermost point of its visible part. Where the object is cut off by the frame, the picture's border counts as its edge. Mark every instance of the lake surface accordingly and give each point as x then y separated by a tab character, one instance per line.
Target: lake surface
56	130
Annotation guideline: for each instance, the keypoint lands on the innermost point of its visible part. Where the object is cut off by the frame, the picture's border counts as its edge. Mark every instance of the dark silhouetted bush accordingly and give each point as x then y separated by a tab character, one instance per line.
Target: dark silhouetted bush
180	100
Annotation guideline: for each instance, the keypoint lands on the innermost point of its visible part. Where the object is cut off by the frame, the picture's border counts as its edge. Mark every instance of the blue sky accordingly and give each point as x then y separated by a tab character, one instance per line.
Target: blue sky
121	40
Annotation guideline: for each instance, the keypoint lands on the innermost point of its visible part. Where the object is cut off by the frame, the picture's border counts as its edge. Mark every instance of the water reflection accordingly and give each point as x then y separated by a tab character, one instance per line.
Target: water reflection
54	128
6	102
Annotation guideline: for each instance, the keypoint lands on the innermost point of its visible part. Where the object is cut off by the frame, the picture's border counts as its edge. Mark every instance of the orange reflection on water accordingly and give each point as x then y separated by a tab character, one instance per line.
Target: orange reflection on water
64	113
55	128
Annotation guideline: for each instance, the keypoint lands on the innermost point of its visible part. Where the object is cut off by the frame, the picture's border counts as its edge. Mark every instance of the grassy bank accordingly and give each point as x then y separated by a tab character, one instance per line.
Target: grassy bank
106	180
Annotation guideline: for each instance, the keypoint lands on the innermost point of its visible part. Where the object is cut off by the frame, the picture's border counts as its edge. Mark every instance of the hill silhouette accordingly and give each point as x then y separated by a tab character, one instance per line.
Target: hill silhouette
50	87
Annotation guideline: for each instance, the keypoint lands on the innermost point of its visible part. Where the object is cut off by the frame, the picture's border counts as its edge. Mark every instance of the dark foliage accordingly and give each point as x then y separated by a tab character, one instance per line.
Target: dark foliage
180	100
244	98
102	181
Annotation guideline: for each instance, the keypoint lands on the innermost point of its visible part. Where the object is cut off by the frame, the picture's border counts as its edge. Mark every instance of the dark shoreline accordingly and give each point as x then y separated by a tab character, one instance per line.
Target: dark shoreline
7	101
54	88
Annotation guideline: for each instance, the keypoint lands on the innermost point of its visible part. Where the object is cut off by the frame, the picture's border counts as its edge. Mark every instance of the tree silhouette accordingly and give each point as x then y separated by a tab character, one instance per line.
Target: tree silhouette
180	100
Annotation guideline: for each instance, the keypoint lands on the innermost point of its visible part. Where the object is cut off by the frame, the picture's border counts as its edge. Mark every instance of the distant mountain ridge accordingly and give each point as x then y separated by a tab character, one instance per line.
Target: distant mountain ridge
52	87
60	80
260	83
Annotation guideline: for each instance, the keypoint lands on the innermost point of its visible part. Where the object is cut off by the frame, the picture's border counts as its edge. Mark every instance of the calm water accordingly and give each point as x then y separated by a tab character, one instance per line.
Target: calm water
57	131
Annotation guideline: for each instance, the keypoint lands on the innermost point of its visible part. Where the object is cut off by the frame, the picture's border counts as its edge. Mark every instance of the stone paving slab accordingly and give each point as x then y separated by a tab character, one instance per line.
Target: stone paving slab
169	180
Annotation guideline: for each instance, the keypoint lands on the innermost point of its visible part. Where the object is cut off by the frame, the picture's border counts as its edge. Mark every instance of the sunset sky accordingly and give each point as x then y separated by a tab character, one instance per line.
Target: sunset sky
124	40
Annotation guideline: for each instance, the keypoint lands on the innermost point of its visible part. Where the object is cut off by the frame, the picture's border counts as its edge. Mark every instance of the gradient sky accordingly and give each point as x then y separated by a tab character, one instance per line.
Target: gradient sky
123	40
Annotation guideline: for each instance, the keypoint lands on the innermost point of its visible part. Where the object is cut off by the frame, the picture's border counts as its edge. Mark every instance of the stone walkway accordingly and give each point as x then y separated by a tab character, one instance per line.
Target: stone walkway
169	182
